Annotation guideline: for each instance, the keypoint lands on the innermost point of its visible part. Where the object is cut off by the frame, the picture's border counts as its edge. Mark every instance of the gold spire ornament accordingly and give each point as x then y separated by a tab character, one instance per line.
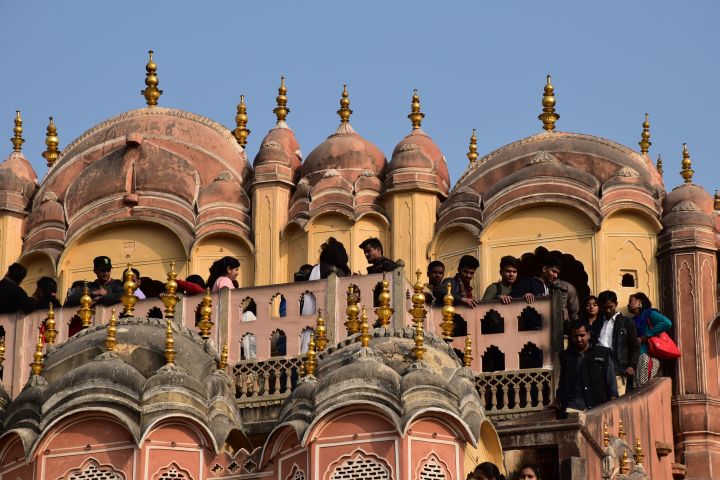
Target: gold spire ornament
241	131
345	111
687	172
419	337
111	339
472	154
645	136
549	117
639	456
170	299
467	357
364	336
37	364
281	111
169	344
52	142
352	325
205	325
606	435
621	430
50	331
448	314
659	165
151	92
311	357
416	116
85	312
222	363
418	310
320	332
384	311
129	299
624	463
17	139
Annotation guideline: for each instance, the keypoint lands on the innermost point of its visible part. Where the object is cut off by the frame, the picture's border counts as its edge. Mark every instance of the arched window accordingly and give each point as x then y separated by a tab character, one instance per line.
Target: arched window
628	280
248	310
531	356
172	472
278	344
308	305
278	306
305	339
248	347
493	360
296	474
492	323
92	470
432	470
529	319
361	468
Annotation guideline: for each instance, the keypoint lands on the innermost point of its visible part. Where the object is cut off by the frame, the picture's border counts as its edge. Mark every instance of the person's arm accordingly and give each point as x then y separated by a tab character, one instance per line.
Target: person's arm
490	292
25	303
660	323
610	382
633	347
190	288
114	293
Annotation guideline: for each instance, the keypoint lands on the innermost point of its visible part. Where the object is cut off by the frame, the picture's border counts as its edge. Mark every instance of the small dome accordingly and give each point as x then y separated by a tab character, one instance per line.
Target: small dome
18	182
418	162
689	192
279	155
344	150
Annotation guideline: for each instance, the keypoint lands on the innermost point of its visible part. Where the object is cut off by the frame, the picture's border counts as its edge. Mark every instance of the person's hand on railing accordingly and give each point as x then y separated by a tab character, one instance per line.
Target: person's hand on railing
529	297
469	302
505	299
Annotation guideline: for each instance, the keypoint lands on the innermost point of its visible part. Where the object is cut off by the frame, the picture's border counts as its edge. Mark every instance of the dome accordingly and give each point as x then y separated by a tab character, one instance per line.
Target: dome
344	150
689	192
18	182
279	156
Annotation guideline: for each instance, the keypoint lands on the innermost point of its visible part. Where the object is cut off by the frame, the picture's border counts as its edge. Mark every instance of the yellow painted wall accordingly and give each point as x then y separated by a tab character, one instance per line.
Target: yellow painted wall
10	240
38	265
211	248
453	244
294	248
413	220
269	216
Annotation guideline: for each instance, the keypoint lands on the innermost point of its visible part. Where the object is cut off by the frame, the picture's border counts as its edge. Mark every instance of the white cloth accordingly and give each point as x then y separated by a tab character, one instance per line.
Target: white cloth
248	345
248	316
309	307
305	340
606	333
139	293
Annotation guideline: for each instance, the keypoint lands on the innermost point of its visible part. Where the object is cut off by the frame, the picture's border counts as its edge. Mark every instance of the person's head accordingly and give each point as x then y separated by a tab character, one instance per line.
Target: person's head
529	472
46	287
225	267
579	336
592	307
435	272
102	266
467	266
638	302
16	273
487	471
303	273
607	301
509	269
136	272
197	280
372	248
336	256
551	269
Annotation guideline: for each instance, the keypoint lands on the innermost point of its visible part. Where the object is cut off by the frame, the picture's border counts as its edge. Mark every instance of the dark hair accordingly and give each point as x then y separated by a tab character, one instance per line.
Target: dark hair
219	269
468	261
197	280
303	273
644	300
136	272
334	255
577	325
47	285
607	295
16	273
552	261
534	468
372	242
433	264
489	470
509	261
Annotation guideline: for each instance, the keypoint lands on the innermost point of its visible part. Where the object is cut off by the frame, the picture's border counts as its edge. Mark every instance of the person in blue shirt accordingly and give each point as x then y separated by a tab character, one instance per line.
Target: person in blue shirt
648	322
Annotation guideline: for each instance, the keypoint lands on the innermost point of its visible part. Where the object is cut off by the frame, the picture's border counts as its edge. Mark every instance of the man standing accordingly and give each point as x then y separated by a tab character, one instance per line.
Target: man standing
587	375
12	297
542	286
618	333
435	273
508	275
462	291
373	250
104	289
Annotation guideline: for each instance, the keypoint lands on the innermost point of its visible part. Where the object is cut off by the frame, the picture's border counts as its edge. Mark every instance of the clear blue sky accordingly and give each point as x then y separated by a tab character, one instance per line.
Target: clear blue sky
476	64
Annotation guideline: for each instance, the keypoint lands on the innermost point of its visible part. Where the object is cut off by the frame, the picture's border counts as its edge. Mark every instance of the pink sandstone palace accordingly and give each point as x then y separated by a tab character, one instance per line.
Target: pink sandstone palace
141	392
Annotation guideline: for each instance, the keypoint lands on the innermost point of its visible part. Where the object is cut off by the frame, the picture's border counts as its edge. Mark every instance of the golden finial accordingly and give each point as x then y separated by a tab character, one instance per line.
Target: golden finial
151	92
281	111
549	117
50	332
311	357
419	337
344	111
448	314
170	299
85	312
621	430
606	435
169	344
222	363
467	357
241	119
472	152
111	340
418	310
320	333
687	171
205	325
639	456
384	311
2	353
352	325
52	142
645	136
416	115
716	206
129	299
17	139
659	165
624	463
37	364
364	329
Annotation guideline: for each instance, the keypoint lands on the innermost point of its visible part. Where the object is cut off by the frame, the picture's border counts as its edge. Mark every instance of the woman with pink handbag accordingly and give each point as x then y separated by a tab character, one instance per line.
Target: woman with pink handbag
651	325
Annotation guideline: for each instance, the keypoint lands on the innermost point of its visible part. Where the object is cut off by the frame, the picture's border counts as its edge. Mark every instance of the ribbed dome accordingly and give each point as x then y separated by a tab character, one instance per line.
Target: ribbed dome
279	154
344	150
18	182
417	162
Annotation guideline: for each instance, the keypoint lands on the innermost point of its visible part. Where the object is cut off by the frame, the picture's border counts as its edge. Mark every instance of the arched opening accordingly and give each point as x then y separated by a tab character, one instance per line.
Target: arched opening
248	347
308	305
213	247
305	339
278	306
492	323
572	271
38	265
248	310
278	344
628	280
529	319
530	356
493	360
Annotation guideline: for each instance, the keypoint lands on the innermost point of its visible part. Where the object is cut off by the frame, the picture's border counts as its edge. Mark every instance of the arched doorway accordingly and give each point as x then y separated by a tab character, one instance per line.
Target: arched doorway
572	271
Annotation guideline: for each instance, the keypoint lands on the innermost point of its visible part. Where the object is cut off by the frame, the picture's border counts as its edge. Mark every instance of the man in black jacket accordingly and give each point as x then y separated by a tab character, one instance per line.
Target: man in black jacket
12	297
587	374
104	290
618	333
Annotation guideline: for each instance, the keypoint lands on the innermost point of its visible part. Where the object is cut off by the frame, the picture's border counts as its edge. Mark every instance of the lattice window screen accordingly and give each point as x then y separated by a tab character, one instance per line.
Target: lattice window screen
172	473
361	469
299	475
93	472
432	471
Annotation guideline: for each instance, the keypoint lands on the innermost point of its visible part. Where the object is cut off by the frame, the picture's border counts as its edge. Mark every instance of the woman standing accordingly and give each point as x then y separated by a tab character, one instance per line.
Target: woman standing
649	322
223	273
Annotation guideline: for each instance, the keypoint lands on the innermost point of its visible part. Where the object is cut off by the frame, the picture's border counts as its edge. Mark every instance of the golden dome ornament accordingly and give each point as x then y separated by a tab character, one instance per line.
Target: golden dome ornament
151	92
549	117
17	139
241	131
51	154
